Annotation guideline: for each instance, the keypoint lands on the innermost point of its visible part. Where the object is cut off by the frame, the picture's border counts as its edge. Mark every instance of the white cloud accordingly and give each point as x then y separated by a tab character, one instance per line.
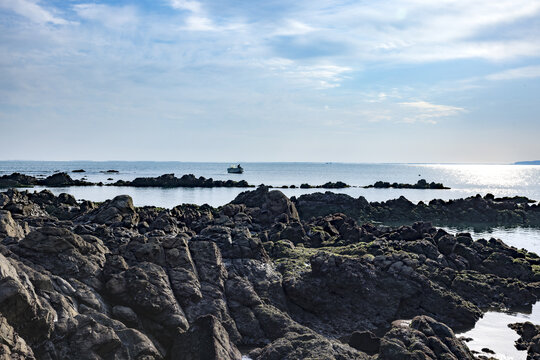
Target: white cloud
190	5
32	11
526	72
199	23
423	111
428	31
110	16
293	27
318	76
199	20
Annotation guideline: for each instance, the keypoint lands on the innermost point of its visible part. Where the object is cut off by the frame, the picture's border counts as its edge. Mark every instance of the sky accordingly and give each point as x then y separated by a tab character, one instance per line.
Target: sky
275	80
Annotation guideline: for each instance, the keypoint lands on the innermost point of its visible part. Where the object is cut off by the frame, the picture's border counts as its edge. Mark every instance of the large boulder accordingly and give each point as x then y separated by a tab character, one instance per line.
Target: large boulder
117	212
422	338
64	253
264	205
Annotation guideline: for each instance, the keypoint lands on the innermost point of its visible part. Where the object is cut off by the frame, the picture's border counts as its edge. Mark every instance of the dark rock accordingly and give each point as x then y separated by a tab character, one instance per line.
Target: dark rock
205	339
365	341
265	206
60	180
78	280
422	338
421	184
8	227
119	210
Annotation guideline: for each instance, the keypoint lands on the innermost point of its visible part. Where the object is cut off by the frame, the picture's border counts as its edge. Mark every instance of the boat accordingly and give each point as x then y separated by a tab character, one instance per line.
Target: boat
235	169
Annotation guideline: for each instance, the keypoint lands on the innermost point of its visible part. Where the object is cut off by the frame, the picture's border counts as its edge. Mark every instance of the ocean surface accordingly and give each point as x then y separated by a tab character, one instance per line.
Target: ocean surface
464	180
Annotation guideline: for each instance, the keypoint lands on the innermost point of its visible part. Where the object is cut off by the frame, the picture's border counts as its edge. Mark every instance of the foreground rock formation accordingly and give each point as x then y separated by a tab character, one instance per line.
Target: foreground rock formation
80	280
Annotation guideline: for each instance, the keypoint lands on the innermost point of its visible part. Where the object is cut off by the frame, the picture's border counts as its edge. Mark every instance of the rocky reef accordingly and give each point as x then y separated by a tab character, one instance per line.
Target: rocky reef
55	180
484	211
80	280
421	184
328	185
190	180
166	181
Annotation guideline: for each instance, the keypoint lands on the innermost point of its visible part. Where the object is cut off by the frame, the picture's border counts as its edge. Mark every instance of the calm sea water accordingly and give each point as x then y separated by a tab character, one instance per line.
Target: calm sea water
465	180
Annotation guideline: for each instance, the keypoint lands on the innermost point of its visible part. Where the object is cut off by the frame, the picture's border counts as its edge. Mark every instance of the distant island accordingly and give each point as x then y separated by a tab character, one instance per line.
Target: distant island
532	162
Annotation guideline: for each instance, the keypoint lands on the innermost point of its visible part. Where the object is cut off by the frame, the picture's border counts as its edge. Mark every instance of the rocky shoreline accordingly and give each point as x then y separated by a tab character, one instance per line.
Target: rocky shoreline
81	280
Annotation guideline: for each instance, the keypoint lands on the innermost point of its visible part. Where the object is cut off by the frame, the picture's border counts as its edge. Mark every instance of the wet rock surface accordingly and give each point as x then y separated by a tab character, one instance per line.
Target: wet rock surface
80	280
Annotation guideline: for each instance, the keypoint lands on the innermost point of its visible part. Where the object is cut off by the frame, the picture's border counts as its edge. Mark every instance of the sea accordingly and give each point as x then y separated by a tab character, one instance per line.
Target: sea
464	180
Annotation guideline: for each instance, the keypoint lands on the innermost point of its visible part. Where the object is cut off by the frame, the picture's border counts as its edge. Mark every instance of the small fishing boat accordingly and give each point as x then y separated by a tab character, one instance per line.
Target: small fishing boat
235	169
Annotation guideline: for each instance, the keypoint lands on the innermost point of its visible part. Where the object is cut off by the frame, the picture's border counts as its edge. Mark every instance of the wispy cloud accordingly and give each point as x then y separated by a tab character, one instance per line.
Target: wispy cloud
318	76
424	111
198	19
110	16
526	72
32	11
293	27
191	5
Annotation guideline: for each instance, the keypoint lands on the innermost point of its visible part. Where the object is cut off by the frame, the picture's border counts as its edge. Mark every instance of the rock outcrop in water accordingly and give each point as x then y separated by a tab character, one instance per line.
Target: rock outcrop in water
476	210
421	184
80	280
166	181
169	180
529	339
55	180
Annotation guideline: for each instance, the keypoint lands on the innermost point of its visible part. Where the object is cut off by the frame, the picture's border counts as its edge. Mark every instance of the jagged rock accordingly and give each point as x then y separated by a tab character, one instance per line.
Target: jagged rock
12	346
95	336
8	227
21	306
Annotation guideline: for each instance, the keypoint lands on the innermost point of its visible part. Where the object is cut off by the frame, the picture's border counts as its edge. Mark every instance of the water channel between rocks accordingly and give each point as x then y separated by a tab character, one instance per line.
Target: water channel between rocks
492	330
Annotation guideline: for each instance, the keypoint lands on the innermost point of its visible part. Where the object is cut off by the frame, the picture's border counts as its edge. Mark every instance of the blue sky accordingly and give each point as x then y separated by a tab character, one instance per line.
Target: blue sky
309	80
